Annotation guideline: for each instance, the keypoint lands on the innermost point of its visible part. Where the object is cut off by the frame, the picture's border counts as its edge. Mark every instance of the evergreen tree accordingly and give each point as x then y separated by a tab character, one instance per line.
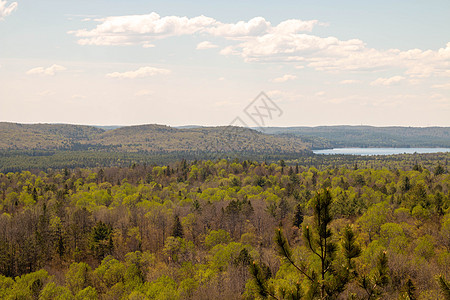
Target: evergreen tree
177	230
439	170
329	280
101	242
298	216
410	290
445	287
373	285
319	240
351	249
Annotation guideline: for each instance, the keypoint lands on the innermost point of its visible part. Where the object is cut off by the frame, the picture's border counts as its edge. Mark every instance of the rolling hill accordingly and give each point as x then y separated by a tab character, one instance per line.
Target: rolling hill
367	136
57	146
154	138
15	136
145	138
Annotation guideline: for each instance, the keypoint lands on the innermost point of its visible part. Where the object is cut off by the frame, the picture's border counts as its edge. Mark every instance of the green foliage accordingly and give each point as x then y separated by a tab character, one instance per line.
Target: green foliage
425	247
52	291
445	286
88	293
101	242
298	216
110	231
78	277
351	249
439	170
410	290
216	237
260	281
372	220
393	237
28	286
373	285
162	288
326	280
178	250
6	284
110	272
177	230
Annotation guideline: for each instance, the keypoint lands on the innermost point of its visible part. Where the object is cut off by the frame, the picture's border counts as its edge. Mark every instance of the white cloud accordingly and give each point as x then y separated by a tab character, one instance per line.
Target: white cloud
253	27
139	73
414	81
257	40
46	93
148	45
6	10
142	29
320	94
295	26
284	78
205	45
143	93
349	81
50	71
227	103
441	86
441	101
387	81
78	97
332	54
284	96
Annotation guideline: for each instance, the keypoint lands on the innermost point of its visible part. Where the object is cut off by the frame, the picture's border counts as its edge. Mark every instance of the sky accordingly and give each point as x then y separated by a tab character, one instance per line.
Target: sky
110	62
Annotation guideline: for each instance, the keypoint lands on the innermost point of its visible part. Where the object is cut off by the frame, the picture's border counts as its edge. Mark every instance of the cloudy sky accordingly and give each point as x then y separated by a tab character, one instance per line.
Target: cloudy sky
110	62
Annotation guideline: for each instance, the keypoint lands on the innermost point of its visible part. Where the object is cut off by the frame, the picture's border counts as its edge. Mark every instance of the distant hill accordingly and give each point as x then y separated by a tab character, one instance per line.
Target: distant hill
44	136
189	126
159	138
164	139
110	127
57	146
145	138
367	136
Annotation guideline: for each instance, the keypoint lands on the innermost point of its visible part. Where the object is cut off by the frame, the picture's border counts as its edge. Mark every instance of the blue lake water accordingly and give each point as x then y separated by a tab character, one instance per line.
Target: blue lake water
379	151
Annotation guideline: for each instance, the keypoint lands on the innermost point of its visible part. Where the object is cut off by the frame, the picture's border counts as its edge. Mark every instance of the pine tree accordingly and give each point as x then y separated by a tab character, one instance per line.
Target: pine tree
101	242
329	280
445	287
439	170
298	216
350	248
177	230
261	281
319	241
373	285
410	290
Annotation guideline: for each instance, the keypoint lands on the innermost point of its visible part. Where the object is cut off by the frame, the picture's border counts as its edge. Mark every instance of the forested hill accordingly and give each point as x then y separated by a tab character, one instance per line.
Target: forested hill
164	139
44	136
145	138
368	136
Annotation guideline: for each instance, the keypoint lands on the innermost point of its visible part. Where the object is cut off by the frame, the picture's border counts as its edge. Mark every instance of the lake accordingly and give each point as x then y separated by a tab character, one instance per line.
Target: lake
379	151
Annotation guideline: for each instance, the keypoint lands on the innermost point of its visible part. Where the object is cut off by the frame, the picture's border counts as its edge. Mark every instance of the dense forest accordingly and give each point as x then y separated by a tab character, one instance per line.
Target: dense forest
321	137
153	139
159	138
315	228
58	146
